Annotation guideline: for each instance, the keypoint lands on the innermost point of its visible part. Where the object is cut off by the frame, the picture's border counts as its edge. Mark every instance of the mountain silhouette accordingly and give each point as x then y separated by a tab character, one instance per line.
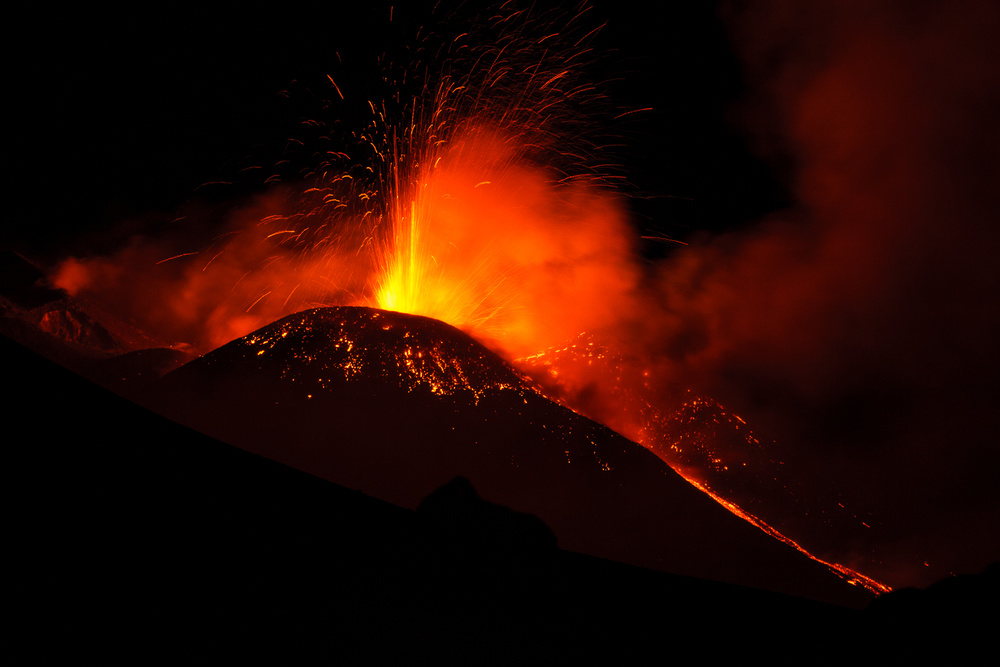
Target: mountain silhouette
395	406
131	533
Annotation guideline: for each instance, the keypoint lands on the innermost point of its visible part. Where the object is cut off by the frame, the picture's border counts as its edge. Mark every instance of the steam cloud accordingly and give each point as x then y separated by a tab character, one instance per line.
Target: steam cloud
859	328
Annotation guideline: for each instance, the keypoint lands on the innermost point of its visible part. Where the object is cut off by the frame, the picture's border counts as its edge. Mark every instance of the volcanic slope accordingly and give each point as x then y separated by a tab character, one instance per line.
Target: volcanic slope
705	442
396	405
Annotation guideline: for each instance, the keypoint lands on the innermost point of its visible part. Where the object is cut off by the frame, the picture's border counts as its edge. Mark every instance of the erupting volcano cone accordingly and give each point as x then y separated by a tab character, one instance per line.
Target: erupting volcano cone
397	405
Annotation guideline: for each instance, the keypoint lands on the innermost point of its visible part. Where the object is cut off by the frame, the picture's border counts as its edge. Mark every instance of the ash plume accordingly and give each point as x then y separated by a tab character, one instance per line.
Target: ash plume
857	328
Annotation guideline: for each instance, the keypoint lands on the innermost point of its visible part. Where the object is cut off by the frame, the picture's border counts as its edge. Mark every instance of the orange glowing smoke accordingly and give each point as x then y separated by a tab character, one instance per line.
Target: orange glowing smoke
494	248
186	292
495	212
481	201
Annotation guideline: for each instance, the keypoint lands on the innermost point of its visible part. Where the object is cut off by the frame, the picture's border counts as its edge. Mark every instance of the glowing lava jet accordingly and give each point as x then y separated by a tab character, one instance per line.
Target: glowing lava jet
493	247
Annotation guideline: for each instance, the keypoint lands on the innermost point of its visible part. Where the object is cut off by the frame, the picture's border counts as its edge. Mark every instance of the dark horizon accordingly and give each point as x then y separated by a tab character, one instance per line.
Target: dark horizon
189	540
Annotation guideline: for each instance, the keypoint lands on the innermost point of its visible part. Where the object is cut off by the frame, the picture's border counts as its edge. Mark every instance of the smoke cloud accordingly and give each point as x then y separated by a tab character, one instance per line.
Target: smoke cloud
184	289
507	253
858	329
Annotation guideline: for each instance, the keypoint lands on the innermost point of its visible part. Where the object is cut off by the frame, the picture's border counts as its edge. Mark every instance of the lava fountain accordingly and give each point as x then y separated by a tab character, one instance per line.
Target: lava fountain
498	217
492	247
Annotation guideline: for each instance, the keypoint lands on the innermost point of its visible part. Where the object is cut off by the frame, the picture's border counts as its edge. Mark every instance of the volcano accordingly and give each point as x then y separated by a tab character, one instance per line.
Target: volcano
396	405
127	521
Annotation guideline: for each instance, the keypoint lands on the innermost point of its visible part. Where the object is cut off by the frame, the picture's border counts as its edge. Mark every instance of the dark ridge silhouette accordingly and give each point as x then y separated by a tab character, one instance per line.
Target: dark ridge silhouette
128	528
132	371
396	405
963	607
131	534
456	512
955	618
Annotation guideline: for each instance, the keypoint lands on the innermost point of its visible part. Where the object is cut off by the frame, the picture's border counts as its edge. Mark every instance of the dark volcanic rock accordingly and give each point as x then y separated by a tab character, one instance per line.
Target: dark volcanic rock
130	372
131	533
457	514
396	406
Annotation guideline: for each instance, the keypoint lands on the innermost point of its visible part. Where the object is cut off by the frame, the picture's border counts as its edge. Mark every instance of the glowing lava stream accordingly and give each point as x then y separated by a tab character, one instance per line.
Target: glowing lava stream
851	576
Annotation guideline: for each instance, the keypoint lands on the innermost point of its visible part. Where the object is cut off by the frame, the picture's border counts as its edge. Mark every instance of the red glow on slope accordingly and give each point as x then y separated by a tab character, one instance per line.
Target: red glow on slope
848	574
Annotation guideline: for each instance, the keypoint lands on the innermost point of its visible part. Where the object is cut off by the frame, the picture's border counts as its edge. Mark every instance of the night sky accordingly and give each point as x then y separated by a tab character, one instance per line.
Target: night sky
833	168
115	122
